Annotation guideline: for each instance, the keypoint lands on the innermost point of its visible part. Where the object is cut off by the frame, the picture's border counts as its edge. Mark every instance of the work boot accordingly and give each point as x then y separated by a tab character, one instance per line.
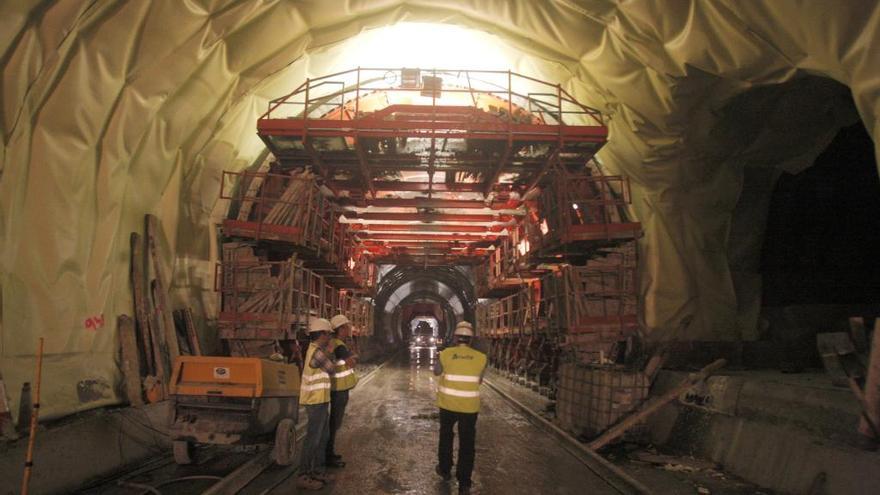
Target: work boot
307	482
464	488
443	474
325	477
334	463
334	456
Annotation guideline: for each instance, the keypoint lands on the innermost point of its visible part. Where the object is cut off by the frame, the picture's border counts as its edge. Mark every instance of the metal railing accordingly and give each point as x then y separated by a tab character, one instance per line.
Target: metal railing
329	96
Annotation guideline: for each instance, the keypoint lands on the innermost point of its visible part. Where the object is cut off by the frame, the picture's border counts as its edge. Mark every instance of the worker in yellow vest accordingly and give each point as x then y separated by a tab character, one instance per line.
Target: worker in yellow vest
344	380
314	395
460	368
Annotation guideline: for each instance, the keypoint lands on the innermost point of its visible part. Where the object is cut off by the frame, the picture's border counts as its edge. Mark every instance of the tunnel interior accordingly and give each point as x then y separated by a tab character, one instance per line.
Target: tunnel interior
620	191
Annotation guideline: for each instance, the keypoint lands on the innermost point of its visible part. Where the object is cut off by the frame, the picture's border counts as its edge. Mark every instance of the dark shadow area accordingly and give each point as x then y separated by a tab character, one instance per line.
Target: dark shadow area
823	229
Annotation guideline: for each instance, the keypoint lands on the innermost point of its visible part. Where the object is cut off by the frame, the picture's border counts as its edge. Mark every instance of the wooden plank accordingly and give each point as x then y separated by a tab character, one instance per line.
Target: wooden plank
131	366
173	334
7	425
158	390
25	406
182	336
141	310
160	292
190	325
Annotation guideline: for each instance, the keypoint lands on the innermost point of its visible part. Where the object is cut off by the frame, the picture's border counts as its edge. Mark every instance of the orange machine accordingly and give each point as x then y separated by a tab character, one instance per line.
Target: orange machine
233	401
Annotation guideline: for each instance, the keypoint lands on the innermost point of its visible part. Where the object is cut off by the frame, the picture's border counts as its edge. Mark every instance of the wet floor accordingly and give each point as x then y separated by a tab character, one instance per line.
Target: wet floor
389	442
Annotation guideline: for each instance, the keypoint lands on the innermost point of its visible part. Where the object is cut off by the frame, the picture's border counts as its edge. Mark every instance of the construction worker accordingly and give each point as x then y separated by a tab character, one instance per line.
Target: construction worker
460	368
314	395
344	380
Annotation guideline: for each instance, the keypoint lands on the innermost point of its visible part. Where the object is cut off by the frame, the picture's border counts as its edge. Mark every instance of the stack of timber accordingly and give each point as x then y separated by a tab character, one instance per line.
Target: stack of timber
151	341
282	207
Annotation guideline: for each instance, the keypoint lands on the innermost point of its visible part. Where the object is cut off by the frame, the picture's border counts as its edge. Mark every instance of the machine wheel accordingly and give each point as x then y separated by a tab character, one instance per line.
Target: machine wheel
285	442
182	452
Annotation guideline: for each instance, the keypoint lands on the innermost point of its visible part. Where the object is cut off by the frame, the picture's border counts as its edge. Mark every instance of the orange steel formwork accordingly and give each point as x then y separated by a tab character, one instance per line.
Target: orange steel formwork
434	149
365	121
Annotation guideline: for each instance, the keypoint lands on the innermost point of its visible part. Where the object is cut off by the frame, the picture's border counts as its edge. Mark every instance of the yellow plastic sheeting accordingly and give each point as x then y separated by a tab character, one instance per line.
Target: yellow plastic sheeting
115	109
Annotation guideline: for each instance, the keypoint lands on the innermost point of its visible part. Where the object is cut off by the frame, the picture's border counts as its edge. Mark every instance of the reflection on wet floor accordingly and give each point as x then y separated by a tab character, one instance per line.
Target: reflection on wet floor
389	442
421	362
422	357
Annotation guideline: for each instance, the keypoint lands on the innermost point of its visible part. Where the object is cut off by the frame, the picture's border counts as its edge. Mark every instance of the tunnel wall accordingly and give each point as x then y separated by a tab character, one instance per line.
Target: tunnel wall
115	109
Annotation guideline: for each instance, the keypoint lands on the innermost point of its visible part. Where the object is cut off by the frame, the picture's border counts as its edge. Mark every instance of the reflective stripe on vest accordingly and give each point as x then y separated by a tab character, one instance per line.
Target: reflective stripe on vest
459	393
315	387
459	387
345	378
463	378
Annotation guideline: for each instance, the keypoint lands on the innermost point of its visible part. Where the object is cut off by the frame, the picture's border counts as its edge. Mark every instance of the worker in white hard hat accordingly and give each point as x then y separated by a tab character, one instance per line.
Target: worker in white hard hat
341	383
460	368
314	395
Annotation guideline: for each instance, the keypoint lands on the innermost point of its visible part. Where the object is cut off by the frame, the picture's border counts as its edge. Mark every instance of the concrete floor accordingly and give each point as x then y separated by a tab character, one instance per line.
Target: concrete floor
390	439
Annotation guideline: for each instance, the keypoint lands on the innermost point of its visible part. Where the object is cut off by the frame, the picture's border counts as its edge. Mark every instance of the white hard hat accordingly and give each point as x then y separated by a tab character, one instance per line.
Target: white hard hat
338	320
464	329
319	325
464	323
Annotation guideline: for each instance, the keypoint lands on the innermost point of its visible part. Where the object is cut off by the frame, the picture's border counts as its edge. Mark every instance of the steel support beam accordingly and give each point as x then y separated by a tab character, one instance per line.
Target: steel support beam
375	128
426	203
544	168
499	167
427	237
364	167
429	217
458	187
427	227
315	156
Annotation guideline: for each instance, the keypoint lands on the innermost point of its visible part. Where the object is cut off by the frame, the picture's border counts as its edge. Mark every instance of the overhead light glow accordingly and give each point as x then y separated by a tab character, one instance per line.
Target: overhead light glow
428	45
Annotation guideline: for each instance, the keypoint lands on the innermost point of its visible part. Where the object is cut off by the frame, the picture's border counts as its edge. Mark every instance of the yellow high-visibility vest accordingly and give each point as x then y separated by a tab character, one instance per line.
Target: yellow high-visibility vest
345	377
459	388
315	388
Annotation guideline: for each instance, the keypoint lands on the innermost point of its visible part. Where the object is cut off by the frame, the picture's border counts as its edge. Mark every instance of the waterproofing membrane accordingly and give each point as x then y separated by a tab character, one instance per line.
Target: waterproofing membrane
115	109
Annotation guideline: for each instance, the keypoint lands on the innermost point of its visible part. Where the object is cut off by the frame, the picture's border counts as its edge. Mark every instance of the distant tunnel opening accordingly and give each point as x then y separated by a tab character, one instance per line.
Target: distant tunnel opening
405	294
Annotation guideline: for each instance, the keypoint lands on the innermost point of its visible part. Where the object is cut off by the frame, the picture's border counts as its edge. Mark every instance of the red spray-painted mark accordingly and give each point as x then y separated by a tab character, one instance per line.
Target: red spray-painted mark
95	322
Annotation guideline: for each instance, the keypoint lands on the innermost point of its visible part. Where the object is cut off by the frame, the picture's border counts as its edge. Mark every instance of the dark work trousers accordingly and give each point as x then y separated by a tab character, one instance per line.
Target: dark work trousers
338	401
467	433
316	439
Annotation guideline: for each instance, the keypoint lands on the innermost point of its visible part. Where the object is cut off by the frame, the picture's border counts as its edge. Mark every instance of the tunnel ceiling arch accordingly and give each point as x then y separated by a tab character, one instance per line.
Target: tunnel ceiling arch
448	318
114	109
